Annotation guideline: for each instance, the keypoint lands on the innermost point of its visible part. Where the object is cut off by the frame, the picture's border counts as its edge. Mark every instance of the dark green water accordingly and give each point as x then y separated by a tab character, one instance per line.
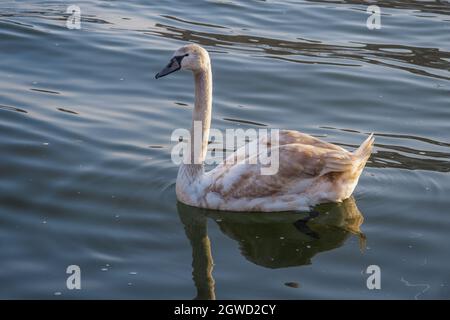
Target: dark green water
85	170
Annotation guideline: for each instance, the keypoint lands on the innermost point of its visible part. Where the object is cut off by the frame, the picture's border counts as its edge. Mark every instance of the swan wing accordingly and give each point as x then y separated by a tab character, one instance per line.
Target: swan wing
293	137
285	137
298	167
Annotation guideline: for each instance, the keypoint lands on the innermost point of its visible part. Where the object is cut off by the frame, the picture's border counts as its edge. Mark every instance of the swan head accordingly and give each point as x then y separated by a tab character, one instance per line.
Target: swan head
189	57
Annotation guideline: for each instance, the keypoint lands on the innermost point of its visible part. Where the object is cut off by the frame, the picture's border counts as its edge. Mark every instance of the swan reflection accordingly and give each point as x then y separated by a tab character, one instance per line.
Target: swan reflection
271	240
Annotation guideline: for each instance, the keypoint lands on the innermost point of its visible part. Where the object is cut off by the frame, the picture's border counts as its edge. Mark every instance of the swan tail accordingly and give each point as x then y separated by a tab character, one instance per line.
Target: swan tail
362	154
347	162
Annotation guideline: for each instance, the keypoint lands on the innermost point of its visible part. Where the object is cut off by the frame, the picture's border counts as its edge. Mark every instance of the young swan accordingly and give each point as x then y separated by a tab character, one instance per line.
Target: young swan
310	171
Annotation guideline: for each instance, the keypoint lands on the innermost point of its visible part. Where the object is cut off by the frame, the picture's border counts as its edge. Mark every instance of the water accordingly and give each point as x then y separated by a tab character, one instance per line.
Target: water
86	177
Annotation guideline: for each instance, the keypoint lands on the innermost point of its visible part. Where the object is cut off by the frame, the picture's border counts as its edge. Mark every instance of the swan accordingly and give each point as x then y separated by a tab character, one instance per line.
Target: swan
310	171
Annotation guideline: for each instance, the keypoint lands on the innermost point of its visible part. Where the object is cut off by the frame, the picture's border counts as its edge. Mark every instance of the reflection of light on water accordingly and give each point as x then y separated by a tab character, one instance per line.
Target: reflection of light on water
408	284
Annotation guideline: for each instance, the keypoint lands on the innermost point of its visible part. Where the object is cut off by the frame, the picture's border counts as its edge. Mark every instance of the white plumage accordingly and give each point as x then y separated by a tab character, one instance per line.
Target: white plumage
310	171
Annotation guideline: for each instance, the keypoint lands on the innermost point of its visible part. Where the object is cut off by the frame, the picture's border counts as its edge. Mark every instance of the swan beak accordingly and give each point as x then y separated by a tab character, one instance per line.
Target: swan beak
174	65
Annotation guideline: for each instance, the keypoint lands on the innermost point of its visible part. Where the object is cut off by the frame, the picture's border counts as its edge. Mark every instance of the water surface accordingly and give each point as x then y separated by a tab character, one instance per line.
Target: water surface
85	170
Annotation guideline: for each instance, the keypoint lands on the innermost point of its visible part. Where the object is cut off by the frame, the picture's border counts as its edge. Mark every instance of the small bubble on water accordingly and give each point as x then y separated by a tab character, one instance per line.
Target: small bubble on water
104	269
45	143
308	246
57	293
133	273
281	238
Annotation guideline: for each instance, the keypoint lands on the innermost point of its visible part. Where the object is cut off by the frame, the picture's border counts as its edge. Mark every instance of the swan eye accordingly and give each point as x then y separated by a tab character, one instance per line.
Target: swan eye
179	58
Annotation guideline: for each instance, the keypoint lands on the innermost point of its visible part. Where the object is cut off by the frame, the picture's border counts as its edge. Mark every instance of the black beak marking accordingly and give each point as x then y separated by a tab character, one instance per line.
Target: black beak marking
174	65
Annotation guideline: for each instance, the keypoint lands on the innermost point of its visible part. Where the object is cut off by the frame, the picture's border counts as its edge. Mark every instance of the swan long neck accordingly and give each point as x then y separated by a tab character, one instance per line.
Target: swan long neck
201	122
201	118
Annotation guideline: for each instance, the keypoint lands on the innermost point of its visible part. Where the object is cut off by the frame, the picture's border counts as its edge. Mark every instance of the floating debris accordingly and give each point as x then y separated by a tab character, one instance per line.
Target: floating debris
4	107
246	122
67	110
45	91
292	284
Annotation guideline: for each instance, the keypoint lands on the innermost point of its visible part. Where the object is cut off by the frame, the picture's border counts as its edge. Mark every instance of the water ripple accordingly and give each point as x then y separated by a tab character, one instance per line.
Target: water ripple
415	59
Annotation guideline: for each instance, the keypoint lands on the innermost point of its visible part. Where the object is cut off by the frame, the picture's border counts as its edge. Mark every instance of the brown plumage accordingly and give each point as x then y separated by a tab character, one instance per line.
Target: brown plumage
310	171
